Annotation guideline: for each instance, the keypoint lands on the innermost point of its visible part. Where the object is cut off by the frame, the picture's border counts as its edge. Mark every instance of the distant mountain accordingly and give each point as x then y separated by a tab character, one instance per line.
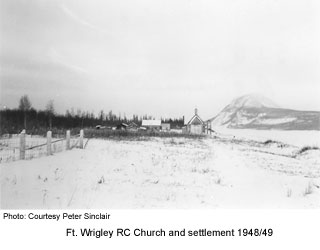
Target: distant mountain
253	101
258	112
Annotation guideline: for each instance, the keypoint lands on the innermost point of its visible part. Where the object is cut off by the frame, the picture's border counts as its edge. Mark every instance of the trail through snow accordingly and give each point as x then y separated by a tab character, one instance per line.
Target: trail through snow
162	173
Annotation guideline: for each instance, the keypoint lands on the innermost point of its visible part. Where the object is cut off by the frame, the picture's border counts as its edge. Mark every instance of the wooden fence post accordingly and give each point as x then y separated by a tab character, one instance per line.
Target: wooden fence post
81	139
68	140
49	136
23	145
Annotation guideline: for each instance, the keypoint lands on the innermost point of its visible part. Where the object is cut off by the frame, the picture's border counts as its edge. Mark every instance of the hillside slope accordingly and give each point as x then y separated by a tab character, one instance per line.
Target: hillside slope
257	112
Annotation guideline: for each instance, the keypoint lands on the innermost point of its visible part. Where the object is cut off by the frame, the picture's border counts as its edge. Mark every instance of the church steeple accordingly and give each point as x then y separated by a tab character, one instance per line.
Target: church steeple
196	111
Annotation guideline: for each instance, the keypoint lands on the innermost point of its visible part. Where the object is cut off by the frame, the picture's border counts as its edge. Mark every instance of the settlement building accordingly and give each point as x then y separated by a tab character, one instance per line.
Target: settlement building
132	126
196	125
122	126
152	124
165	126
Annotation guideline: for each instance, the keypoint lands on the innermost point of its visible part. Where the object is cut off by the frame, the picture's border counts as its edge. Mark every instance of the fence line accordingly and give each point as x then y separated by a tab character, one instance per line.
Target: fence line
25	146
75	144
44	144
85	145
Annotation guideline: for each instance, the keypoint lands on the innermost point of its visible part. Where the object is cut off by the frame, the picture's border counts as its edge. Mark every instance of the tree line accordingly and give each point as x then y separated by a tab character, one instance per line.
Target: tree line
34	121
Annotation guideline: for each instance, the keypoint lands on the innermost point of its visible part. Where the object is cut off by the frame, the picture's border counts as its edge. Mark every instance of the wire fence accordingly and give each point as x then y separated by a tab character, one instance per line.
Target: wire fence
22	146
9	148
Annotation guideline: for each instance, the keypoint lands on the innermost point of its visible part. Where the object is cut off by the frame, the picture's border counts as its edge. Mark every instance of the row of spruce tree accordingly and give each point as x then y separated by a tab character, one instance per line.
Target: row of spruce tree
34	121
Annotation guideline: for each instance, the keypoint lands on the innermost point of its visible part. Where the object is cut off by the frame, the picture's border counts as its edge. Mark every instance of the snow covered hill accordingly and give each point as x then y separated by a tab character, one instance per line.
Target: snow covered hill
254	101
258	112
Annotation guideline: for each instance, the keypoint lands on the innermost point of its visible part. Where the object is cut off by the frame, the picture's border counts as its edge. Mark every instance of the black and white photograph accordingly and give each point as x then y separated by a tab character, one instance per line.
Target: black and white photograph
164	104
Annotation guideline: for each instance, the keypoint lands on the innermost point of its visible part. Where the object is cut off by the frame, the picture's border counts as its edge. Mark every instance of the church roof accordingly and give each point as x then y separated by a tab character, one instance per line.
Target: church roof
195	118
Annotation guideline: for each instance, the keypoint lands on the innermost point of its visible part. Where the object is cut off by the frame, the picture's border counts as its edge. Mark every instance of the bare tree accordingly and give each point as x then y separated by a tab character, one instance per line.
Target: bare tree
24	105
50	111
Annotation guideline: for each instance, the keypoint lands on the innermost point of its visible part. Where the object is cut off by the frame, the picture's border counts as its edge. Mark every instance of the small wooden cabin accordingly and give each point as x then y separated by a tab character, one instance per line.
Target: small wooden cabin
132	126
151	124
122	126
165	126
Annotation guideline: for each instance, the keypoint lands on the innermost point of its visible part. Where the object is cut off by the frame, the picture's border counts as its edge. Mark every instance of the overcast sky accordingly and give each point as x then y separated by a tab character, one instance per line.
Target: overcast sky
161	57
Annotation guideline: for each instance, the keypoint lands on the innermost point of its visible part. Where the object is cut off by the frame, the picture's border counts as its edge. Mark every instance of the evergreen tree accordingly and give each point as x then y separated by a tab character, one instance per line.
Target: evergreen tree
50	112
25	106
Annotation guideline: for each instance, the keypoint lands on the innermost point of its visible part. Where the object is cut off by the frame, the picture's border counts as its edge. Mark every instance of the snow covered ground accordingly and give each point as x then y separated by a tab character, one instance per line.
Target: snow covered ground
166	173
298	138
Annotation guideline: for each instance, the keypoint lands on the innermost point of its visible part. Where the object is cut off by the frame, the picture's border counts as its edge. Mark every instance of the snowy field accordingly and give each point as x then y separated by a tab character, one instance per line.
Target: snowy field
166	173
298	138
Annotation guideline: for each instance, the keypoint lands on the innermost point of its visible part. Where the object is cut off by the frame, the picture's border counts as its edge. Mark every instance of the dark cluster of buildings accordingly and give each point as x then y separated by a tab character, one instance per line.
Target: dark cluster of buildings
195	126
